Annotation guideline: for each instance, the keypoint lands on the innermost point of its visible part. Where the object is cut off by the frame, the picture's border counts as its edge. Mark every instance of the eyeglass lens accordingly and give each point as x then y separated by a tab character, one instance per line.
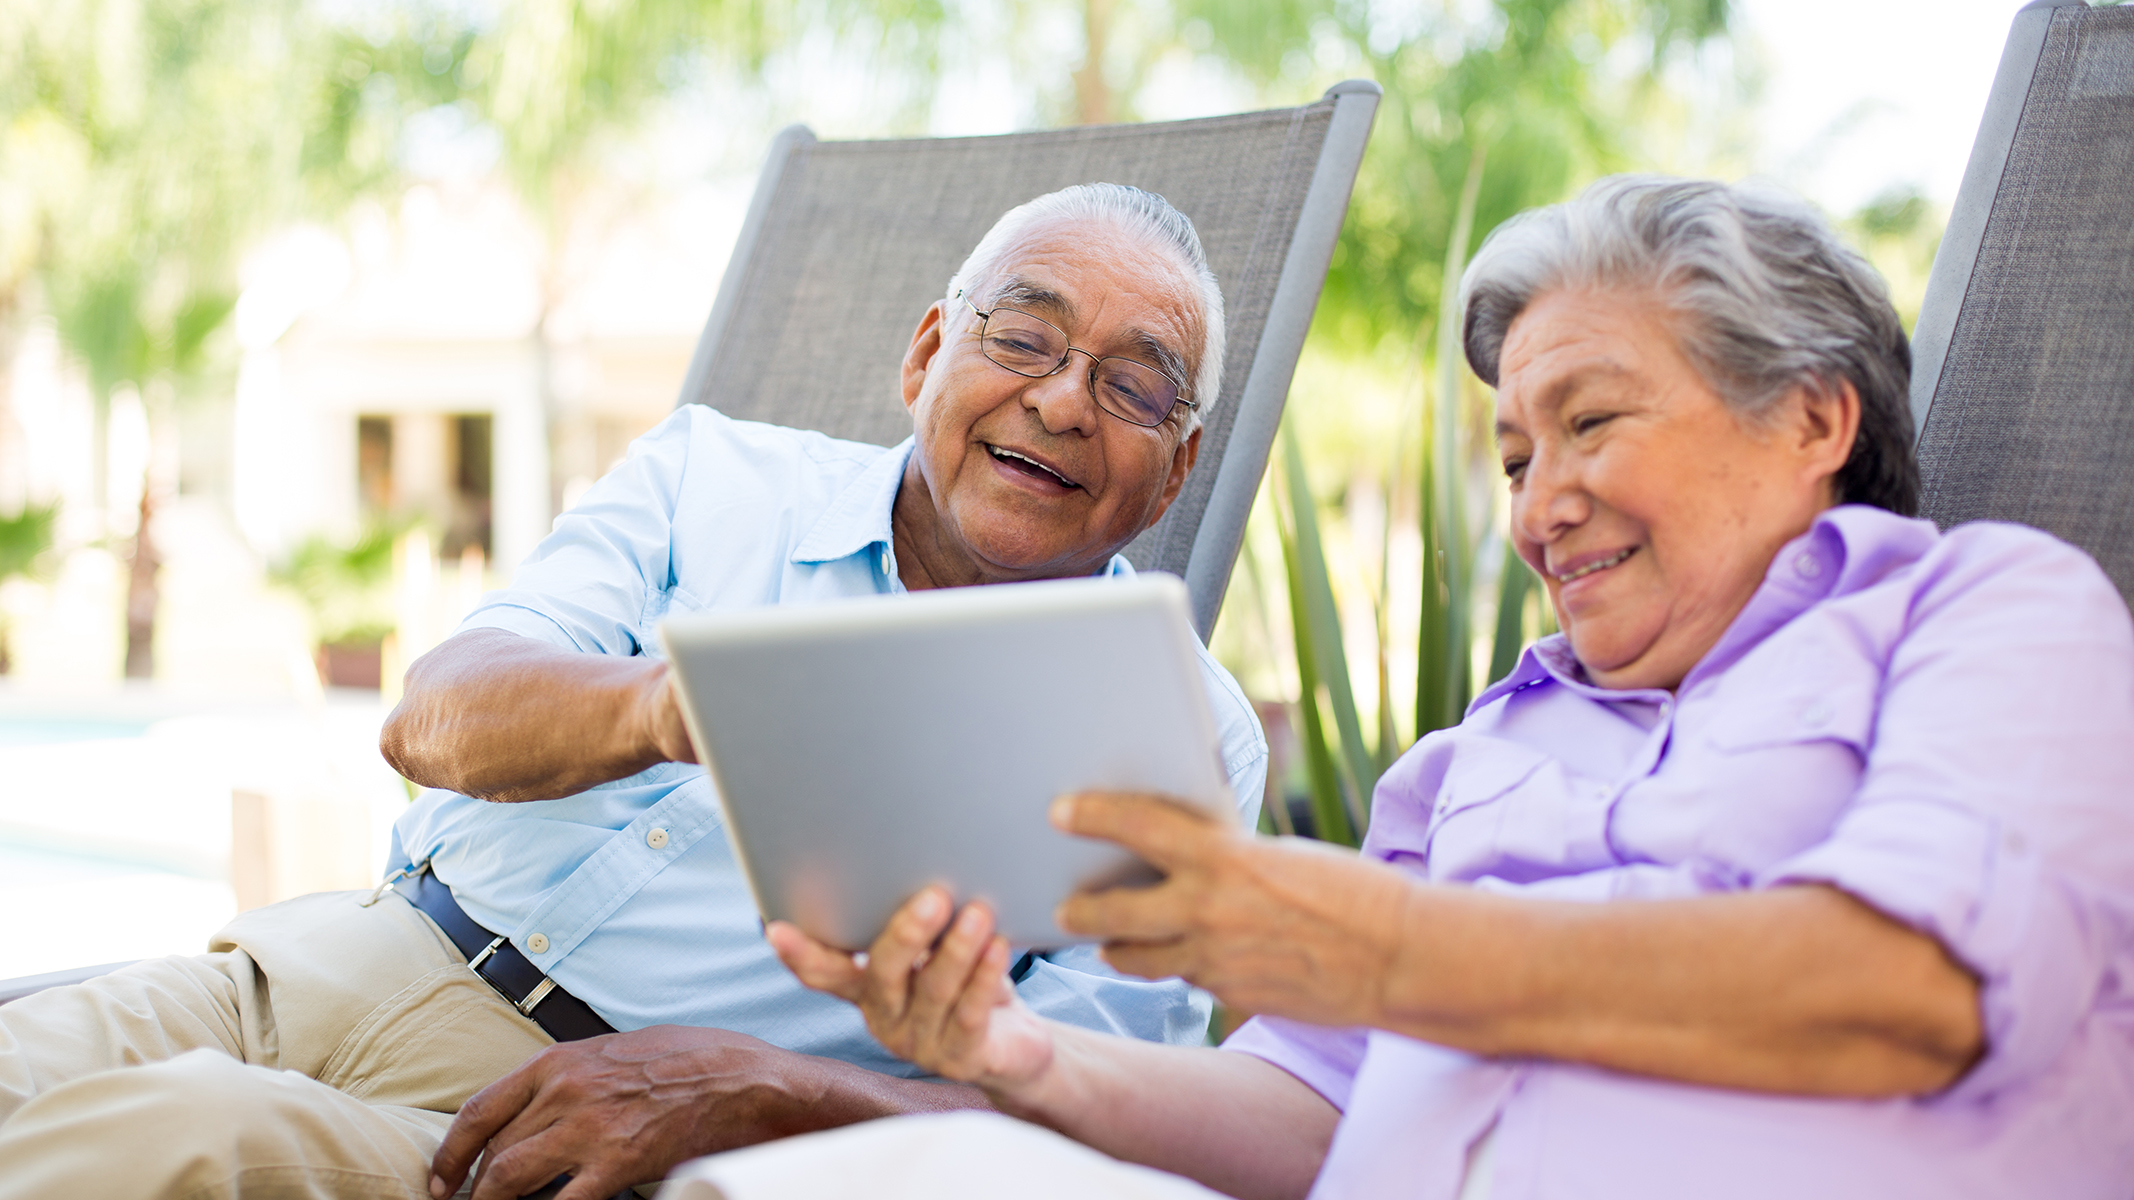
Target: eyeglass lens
1029	346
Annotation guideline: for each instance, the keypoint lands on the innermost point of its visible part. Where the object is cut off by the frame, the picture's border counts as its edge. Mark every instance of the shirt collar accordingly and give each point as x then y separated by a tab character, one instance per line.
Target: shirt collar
859	516
1849	547
1551	659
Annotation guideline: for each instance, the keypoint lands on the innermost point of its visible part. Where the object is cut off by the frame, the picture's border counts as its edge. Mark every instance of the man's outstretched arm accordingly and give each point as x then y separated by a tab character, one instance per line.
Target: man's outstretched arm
497	716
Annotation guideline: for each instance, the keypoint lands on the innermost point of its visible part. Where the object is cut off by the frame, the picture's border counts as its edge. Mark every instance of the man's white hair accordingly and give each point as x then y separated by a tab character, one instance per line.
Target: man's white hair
1142	215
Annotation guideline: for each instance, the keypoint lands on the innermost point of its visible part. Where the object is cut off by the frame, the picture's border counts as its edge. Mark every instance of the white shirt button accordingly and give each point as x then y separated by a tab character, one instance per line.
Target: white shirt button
537	944
1816	715
657	839
1808	566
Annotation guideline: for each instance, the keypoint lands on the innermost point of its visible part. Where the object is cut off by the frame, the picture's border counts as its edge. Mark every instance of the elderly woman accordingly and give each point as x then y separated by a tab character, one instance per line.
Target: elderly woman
1800	864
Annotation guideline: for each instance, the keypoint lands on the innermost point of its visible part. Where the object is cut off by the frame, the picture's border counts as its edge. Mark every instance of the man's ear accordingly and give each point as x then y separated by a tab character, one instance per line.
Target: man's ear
1181	466
925	344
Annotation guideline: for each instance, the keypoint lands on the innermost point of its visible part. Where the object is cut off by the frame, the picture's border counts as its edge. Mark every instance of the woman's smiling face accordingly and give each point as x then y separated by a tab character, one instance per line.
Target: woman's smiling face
1651	510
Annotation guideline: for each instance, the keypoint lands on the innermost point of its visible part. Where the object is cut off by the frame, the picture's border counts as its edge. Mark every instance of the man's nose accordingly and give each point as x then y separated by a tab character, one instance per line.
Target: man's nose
1067	399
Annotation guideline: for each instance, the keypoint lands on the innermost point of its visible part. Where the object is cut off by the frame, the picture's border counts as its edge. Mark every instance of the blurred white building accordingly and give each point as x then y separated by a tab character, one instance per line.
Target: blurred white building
390	369
404	373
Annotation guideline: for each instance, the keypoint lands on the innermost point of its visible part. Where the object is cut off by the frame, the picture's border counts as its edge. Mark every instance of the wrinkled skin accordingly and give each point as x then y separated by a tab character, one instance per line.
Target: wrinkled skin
624	1109
963	516
1283	925
1618	451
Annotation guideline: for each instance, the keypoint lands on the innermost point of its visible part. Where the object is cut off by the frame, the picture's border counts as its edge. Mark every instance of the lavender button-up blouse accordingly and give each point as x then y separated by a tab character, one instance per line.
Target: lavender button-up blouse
1940	725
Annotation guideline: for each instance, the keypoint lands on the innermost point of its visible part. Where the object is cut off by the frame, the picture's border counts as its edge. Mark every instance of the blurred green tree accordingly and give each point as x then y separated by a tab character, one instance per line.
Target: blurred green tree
563	84
144	143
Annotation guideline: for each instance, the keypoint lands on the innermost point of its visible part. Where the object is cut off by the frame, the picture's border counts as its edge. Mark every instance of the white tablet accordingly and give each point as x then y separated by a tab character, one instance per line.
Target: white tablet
865	748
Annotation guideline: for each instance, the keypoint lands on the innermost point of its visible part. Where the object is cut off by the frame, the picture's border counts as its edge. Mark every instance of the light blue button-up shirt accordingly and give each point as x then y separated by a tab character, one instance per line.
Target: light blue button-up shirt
630	889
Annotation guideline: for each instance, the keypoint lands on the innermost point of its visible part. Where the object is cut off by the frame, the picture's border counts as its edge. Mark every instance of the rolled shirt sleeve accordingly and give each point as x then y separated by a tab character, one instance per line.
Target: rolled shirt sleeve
588	584
1993	812
1326	1059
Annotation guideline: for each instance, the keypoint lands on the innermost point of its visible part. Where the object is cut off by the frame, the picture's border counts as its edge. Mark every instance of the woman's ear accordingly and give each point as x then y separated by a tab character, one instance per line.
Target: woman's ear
919	356
1826	422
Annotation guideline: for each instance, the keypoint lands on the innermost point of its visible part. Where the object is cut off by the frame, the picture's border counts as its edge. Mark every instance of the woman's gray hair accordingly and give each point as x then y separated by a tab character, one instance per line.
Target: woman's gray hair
1765	296
1140	214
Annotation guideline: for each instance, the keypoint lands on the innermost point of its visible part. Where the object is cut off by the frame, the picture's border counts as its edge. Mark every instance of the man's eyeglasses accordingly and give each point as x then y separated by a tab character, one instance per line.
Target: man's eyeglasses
1035	348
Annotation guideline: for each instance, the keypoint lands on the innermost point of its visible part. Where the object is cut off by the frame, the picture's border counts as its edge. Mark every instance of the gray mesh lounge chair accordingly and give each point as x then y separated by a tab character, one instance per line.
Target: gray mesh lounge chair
2023	373
862	236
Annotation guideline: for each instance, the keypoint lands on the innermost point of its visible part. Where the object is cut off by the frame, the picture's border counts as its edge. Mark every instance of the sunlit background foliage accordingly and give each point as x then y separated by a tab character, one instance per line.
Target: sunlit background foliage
145	145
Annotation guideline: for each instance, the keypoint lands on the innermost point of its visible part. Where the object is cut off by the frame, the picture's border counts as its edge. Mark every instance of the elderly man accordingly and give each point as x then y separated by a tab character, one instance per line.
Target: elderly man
571	852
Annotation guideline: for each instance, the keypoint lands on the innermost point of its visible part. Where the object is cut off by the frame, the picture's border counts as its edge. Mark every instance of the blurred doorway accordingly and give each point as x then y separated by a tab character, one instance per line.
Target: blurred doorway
436	468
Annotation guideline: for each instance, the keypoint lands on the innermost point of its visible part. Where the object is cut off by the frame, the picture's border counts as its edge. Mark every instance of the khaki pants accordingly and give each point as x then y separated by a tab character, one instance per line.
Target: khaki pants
318	1050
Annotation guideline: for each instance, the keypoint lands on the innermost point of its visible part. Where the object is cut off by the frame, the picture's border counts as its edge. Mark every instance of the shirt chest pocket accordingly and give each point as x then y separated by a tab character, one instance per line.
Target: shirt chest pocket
1842	713
1516	814
1766	780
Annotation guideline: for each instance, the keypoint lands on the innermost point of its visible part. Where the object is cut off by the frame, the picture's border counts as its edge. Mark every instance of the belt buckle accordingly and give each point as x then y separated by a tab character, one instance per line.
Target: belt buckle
534	998
526	1004
475	964
415	871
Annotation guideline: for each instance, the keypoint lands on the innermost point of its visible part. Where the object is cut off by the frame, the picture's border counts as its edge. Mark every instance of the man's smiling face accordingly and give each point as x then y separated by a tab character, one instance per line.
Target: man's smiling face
1019	478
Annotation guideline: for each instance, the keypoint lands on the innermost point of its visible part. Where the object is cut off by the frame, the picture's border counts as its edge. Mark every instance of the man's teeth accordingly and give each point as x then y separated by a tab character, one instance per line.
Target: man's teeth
1000	453
1601	565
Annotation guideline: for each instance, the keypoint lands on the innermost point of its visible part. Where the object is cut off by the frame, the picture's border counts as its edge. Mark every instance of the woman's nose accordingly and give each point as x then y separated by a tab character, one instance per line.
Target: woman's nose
1549	500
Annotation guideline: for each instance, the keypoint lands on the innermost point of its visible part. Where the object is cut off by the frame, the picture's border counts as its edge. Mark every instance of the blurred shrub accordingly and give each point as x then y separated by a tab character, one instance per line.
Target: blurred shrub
25	548
346	586
25	540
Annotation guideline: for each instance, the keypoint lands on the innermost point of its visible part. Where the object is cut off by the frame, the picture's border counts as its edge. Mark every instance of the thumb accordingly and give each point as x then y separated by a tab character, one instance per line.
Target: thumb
824	968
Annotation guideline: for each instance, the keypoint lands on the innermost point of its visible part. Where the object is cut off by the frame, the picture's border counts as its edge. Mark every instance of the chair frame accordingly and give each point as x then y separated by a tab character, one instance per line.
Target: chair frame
1957	257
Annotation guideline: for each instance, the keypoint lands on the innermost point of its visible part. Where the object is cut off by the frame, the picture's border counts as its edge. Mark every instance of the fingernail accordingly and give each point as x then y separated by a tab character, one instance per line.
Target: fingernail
968	922
1062	812
438	1188
930	902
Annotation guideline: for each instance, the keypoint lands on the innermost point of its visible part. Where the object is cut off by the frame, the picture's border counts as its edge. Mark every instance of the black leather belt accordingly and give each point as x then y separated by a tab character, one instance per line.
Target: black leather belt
499	963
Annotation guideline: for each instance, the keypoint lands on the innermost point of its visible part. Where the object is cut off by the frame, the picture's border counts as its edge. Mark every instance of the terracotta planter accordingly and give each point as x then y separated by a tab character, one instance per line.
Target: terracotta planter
349	664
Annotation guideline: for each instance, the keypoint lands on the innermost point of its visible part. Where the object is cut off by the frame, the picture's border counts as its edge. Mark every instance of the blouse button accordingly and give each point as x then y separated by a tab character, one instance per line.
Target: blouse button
537	943
1816	715
657	839
1808	566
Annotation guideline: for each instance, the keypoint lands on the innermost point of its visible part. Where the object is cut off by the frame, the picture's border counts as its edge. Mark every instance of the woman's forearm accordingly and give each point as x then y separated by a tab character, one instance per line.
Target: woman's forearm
1795	989
1798	990
1234	1122
503	717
